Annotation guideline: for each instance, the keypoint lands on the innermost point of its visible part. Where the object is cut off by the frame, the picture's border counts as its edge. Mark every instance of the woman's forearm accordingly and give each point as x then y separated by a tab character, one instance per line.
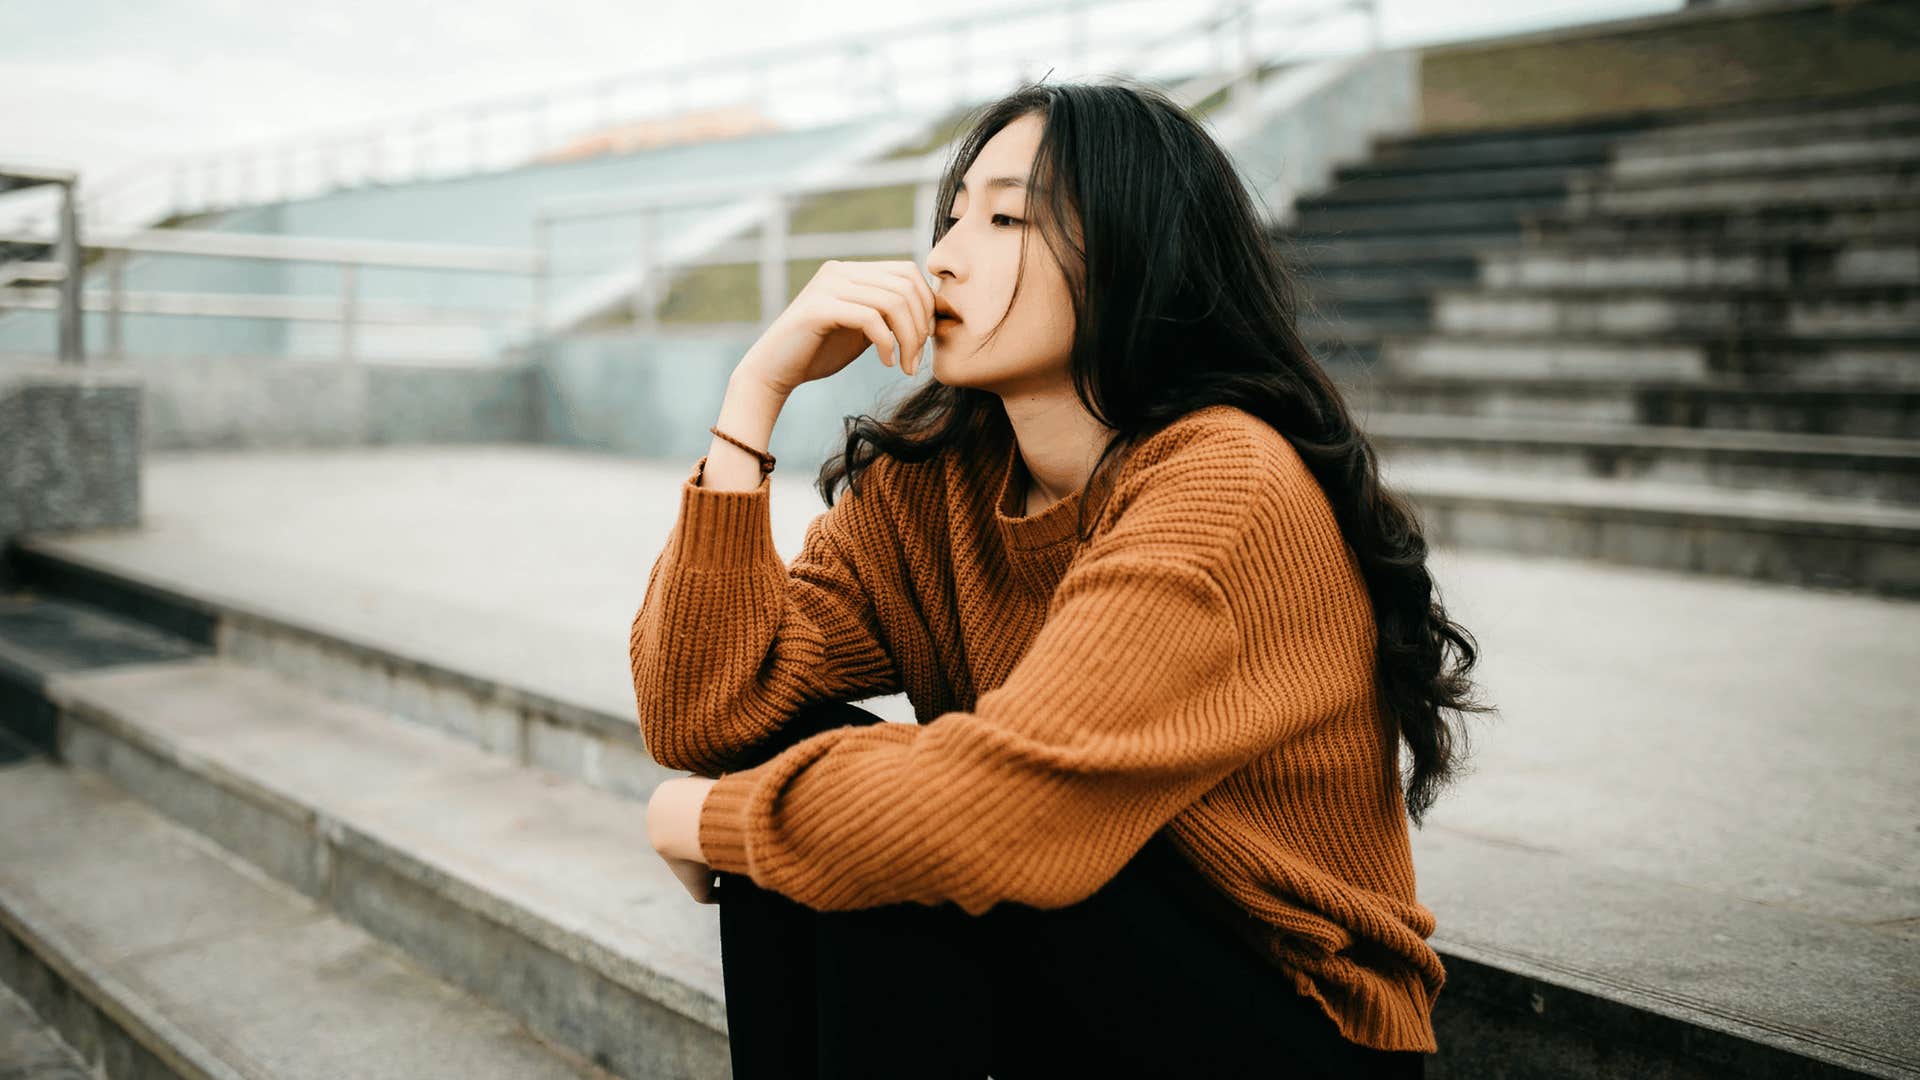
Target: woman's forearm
748	413
673	816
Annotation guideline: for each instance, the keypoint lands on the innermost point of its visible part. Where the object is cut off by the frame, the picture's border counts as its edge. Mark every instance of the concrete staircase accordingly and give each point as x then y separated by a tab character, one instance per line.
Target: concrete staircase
234	847
242	843
1681	341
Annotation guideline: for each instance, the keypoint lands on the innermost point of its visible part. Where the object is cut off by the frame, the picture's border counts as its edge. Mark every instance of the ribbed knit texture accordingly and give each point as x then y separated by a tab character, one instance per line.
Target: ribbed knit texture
1202	664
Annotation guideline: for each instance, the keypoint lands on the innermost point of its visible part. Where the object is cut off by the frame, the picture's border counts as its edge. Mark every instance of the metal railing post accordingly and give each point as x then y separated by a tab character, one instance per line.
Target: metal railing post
537	320
72	341
646	307
116	308
349	310
773	257
924	196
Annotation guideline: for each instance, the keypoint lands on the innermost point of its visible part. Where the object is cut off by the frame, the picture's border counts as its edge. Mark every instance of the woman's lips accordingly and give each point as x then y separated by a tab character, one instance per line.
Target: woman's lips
942	322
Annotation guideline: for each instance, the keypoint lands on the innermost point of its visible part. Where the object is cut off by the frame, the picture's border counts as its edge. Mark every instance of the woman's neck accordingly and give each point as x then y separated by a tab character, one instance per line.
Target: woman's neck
1058	442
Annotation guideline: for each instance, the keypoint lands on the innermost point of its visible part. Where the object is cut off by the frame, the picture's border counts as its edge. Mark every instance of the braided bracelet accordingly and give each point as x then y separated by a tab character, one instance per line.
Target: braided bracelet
766	459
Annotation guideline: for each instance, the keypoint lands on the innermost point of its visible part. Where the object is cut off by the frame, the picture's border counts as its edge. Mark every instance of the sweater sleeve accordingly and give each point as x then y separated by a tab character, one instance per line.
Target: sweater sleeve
1125	709
730	641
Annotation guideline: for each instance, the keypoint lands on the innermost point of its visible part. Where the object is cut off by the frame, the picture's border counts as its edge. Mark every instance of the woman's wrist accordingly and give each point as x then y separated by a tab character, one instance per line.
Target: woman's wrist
673	816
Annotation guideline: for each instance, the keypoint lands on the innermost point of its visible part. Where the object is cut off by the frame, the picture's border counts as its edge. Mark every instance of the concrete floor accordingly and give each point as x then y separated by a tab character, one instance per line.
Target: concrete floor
1698	792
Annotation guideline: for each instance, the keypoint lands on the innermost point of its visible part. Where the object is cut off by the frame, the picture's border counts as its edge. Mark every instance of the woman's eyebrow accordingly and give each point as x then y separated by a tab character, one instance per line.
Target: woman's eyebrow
1016	182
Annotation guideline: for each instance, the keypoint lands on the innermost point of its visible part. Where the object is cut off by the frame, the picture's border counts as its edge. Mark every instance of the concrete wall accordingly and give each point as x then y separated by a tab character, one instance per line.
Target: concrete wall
205	402
1699	57
650	395
69	451
656	395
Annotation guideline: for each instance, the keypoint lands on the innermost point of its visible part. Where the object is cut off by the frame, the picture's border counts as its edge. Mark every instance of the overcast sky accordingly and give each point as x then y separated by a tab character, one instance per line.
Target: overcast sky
99	84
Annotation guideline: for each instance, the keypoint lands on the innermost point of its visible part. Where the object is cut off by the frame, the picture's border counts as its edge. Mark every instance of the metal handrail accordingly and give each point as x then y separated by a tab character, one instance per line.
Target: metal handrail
349	309
64	244
776	245
272	247
773	247
472	135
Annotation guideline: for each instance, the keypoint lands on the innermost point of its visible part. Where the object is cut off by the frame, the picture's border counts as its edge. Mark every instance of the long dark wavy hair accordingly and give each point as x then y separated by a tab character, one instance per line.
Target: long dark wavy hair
1181	300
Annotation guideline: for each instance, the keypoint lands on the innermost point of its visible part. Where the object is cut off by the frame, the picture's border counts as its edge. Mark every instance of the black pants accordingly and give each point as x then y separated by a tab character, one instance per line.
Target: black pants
1139	980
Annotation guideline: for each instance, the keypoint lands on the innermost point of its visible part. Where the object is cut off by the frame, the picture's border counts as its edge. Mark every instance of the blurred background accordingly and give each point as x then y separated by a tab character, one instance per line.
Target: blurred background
352	357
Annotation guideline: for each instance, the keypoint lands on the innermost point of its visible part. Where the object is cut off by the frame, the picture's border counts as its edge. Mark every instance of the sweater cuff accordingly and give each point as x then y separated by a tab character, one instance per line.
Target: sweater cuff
723	821
722	530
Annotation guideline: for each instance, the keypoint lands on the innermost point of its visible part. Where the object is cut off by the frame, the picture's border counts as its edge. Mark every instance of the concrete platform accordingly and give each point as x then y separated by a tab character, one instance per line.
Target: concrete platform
1692	823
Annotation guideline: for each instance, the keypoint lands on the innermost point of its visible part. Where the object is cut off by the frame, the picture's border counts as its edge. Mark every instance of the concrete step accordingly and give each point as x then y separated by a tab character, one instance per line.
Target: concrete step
1428	273
1794	127
1767	535
1397	302
1638	164
1606	974
1332	330
1515	134
1690	264
1377	290
1739	224
1799	312
1839	187
1310	248
1786	361
1472	216
30	1047
1487	183
471	703
1421	155
161	954
528	889
1859	468
1345	355
1877	409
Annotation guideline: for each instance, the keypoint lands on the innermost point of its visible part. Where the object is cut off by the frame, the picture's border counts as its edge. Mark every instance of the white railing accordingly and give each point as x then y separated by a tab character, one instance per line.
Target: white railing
775	244
65	267
347	308
771	249
926	67
1229	29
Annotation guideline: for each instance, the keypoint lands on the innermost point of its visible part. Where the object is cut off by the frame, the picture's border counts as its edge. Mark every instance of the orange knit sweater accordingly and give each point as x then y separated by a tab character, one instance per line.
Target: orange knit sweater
1202	664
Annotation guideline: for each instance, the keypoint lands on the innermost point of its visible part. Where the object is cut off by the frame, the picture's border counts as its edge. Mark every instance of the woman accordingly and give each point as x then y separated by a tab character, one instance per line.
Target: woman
1163	630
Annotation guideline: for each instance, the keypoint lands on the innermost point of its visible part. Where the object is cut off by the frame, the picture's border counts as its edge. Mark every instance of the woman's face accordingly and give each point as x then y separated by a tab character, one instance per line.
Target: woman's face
974	266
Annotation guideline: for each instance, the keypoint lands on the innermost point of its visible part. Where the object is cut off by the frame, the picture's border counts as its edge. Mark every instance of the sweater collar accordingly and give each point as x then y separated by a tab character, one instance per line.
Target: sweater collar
1056	523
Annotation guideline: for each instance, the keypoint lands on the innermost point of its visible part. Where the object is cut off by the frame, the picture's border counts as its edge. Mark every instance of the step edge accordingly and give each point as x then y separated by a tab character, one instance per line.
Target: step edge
116	1002
52	550
327	828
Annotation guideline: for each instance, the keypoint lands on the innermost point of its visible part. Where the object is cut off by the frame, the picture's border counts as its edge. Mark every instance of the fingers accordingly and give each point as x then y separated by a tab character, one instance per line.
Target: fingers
898	290
921	293
868	320
909	329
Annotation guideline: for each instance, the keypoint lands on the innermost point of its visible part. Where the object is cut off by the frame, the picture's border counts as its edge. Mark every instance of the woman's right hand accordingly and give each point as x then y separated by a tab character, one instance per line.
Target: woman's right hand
846	306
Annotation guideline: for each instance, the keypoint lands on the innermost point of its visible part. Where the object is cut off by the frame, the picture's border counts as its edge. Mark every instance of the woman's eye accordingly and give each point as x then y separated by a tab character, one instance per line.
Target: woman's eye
952	221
